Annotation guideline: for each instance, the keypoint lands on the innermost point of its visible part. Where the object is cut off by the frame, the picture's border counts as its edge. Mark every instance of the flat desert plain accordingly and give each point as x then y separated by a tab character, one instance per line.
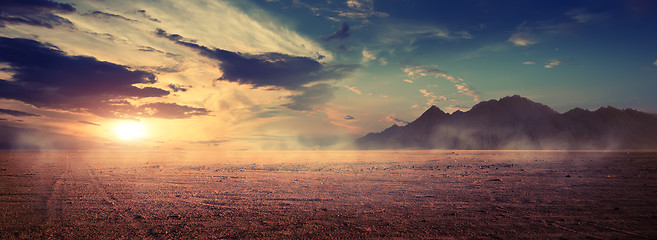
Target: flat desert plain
328	194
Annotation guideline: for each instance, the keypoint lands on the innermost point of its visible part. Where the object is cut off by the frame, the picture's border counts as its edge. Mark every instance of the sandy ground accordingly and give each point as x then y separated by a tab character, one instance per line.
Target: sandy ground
348	194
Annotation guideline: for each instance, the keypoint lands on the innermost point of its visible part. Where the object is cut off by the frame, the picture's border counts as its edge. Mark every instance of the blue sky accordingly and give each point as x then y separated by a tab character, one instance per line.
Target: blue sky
297	74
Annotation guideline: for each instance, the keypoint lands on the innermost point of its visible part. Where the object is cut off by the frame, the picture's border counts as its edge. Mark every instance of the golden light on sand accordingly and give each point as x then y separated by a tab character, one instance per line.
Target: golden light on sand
130	130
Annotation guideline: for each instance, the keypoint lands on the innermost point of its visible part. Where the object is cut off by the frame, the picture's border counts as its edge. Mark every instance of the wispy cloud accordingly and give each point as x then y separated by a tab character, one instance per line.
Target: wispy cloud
553	63
528	63
105	15
407	33
368	55
89	123
17	113
522	39
393	119
432	71
655	63
361	9
342	33
583	17
353	89
432	99
408	80
483	51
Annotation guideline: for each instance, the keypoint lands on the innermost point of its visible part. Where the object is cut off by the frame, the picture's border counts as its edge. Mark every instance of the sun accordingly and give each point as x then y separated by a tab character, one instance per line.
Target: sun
130	130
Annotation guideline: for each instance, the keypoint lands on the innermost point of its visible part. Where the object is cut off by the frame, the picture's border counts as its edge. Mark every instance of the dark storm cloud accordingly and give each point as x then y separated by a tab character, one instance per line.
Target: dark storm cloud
45	76
349	117
34	12
311	97
267	69
17	113
342	33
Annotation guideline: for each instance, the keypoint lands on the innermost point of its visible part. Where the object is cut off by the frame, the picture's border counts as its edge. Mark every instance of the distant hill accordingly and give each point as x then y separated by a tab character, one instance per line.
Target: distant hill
519	123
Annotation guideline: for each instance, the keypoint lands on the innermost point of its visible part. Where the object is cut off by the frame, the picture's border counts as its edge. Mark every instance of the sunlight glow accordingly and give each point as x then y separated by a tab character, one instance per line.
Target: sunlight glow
130	130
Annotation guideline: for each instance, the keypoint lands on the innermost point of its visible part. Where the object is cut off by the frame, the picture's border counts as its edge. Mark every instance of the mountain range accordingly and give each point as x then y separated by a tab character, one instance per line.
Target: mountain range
518	123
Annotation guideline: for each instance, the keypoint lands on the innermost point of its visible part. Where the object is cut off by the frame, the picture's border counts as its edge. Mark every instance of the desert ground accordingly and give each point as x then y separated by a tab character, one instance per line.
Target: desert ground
328	194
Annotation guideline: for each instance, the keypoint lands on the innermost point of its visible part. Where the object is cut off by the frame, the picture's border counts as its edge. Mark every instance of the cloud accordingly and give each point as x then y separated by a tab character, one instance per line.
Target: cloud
655	63
553	63
172	110
423	71
266	69
522	39
342	33
211	142
583	17
432	71
427	93
89	123
393	119
105	15
367	55
34	12
361	9
408	80
177	87
17	113
528	63
483	51
145	15
45	76
349	117
353	89
311	97
407	33
431	97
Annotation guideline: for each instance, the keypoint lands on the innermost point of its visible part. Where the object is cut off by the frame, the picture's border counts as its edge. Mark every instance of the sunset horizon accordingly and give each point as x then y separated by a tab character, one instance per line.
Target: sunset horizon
266	75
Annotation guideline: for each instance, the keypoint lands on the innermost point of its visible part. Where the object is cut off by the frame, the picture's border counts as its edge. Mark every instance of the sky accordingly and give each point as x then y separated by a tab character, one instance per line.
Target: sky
301	74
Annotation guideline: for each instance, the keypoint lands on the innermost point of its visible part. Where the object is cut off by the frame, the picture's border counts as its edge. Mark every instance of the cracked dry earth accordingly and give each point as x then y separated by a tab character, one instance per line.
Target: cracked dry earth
328	194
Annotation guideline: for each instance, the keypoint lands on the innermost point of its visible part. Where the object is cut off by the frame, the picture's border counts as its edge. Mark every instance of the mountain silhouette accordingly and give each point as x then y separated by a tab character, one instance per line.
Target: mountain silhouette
518	123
